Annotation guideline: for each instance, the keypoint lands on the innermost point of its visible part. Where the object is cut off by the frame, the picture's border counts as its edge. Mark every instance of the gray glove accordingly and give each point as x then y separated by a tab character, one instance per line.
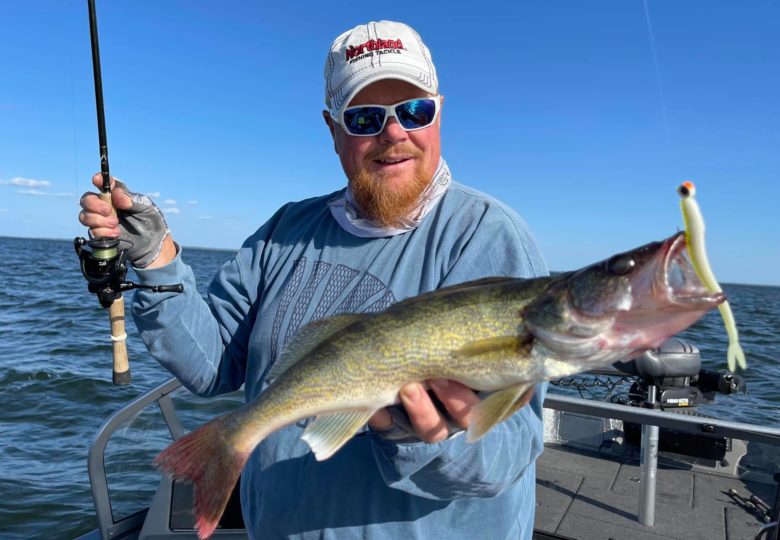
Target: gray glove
143	226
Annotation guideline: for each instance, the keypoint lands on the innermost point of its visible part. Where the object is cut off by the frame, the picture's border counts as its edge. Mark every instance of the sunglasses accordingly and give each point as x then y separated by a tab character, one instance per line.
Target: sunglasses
370	120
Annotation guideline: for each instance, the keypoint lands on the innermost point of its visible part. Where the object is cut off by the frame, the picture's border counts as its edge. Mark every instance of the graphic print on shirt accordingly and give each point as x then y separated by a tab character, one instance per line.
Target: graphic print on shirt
284	302
304	299
334	289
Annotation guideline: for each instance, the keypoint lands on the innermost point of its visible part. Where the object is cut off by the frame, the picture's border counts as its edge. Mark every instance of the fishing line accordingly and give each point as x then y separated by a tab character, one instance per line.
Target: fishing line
659	82
73	118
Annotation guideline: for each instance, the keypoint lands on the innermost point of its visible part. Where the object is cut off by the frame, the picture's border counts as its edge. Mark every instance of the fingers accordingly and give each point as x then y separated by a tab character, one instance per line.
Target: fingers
428	423
98	216
458	399
97	180
100	227
381	420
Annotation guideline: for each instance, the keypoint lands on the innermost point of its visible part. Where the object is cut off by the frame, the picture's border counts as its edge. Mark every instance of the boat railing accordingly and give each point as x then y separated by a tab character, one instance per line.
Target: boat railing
690	424
161	395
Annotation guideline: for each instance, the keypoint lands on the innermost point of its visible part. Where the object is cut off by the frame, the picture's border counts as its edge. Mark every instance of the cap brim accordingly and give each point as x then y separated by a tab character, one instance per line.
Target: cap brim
396	75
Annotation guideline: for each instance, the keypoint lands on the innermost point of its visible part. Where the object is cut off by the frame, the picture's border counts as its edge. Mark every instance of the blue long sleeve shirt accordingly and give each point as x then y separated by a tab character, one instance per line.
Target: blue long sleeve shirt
302	266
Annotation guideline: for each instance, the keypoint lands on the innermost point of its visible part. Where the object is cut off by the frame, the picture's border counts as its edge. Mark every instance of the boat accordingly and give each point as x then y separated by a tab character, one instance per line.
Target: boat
641	464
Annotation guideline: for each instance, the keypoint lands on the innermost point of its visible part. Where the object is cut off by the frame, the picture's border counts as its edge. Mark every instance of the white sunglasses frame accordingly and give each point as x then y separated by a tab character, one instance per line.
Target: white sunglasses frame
389	112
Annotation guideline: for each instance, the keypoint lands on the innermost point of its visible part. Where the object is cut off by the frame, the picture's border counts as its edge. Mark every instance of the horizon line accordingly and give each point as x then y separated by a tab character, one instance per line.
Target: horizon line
233	250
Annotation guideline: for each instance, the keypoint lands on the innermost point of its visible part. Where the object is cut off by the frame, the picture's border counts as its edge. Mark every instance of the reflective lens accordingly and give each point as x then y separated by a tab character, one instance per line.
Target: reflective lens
364	120
415	114
369	120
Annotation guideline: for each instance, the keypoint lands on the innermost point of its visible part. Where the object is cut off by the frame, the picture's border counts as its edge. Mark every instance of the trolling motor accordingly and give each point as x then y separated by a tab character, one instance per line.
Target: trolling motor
671	378
104	265
674	369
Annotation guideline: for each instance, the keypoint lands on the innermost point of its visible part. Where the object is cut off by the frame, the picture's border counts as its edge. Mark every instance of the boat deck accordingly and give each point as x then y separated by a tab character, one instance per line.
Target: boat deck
585	496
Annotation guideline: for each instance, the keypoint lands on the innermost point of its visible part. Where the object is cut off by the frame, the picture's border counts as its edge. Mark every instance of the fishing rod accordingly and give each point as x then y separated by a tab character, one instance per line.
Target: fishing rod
103	261
101	117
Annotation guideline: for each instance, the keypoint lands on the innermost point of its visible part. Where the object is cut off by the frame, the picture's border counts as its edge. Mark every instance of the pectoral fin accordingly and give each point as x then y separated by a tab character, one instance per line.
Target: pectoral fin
329	432
496	408
504	345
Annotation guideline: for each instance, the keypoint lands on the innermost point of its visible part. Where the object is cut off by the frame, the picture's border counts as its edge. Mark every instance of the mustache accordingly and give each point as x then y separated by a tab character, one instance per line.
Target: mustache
386	153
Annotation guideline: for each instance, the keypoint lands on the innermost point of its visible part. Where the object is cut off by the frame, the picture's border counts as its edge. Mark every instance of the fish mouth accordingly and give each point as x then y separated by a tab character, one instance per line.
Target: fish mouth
676	279
669	296
623	306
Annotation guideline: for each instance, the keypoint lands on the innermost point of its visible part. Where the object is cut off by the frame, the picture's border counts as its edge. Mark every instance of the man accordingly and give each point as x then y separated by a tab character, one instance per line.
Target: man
400	228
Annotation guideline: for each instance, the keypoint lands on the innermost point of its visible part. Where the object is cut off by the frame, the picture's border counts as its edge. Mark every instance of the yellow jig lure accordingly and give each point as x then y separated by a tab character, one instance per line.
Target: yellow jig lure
694	239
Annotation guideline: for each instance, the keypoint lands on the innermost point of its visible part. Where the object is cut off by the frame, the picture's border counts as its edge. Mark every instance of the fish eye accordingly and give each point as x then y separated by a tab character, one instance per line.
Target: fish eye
620	265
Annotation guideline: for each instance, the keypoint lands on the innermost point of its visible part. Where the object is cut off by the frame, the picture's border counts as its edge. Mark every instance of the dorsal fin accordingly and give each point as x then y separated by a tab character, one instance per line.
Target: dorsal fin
308	337
445	291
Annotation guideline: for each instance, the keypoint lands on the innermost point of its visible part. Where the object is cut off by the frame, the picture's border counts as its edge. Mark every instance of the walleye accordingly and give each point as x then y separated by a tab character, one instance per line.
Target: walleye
496	334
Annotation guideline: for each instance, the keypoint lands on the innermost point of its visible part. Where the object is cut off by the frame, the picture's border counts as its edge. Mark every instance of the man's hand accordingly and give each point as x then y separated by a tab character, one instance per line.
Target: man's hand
138	221
428	423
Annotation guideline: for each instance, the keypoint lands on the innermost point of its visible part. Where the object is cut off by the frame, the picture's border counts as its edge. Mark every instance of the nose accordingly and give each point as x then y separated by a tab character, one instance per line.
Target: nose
393	132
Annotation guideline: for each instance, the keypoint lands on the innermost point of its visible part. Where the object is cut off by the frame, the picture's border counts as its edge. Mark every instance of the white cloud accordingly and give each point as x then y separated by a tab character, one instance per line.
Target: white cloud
3	210
26	182
169	202
39	193
192	203
172	211
153	194
205	218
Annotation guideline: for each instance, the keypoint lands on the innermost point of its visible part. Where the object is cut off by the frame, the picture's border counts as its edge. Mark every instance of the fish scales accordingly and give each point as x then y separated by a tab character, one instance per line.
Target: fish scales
337	375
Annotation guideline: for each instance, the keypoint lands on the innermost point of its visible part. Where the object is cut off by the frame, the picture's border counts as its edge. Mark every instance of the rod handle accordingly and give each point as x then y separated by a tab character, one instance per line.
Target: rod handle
116	316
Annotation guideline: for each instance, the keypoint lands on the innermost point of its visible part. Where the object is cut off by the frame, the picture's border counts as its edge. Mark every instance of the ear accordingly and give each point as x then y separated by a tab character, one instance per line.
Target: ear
332	127
329	122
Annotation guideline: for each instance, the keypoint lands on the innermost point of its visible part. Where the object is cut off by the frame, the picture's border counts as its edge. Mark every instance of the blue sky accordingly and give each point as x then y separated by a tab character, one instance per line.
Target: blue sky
582	116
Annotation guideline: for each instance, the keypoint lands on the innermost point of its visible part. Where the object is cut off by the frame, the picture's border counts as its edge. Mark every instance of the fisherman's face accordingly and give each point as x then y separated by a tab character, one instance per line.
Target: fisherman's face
388	172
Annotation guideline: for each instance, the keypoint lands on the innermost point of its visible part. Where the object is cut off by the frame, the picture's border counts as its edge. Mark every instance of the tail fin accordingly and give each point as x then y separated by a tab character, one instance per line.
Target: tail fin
207	459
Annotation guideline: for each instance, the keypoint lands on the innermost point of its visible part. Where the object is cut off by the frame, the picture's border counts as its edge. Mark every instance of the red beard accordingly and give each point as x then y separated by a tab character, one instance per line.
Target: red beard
387	203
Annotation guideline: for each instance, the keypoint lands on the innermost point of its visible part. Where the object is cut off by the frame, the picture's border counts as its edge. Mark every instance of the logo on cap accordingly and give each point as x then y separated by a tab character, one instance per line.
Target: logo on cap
373	45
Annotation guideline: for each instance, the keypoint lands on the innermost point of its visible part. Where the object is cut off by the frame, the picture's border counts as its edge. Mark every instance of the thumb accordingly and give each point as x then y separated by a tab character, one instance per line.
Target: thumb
119	195
381	420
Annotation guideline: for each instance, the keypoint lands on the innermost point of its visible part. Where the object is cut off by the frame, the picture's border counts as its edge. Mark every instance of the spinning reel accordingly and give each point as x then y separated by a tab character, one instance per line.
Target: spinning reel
104	266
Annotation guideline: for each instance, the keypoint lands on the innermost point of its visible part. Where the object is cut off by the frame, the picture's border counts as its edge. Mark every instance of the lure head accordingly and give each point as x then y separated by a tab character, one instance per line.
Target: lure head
686	189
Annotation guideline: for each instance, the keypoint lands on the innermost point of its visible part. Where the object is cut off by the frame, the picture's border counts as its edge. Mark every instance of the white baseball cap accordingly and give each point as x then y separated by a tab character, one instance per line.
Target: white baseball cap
372	52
